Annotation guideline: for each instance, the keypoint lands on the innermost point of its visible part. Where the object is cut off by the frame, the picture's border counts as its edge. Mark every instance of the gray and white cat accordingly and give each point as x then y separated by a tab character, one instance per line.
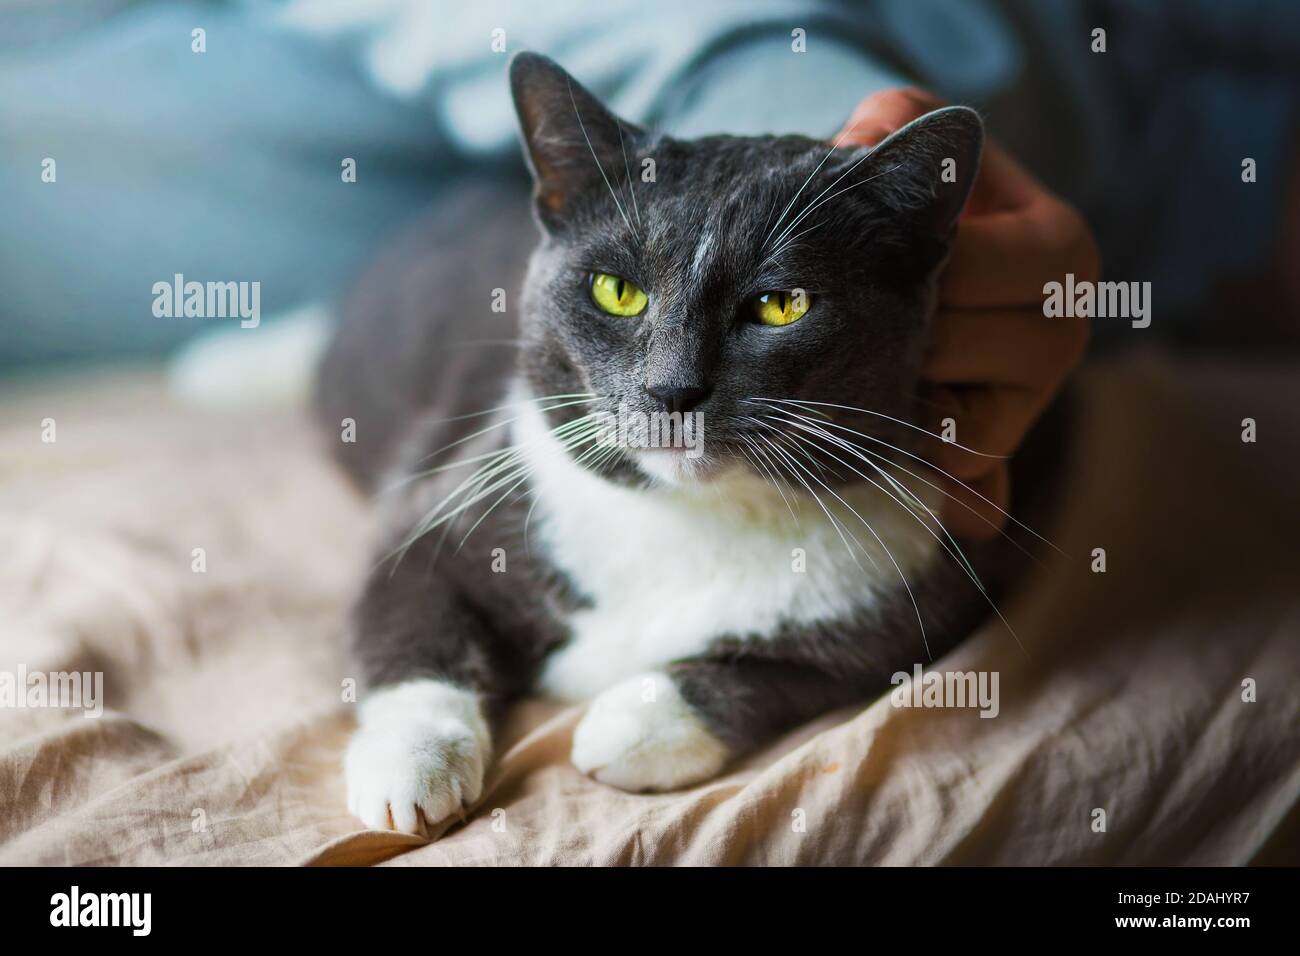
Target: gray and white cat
778	291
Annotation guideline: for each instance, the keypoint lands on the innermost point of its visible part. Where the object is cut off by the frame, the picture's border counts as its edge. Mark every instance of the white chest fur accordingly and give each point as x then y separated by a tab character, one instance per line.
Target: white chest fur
668	570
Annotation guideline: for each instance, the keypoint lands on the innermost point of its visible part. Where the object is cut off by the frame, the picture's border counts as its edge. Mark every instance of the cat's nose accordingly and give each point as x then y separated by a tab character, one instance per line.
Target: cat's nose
679	398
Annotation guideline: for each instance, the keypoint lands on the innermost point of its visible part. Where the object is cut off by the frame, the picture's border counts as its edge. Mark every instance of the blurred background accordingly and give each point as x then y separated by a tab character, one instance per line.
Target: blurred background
209	138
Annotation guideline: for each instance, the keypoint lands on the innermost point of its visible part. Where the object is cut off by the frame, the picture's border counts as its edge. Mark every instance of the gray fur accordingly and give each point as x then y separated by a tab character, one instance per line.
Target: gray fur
414	351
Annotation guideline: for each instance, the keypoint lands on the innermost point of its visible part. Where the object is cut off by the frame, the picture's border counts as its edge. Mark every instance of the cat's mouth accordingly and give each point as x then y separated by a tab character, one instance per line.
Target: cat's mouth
677	466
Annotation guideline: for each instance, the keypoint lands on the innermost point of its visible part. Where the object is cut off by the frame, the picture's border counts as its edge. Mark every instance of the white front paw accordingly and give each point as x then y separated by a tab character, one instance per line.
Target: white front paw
641	735
418	756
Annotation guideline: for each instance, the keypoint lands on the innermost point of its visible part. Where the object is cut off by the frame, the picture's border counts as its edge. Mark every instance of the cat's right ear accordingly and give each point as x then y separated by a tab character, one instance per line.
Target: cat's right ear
927	168
571	141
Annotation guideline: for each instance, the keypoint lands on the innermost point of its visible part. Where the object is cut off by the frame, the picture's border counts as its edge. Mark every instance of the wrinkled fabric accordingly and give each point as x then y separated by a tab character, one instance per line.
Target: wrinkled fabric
225	718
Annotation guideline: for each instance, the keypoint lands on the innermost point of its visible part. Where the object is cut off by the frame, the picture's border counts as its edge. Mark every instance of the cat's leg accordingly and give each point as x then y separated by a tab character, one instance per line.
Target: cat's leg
674	728
430	670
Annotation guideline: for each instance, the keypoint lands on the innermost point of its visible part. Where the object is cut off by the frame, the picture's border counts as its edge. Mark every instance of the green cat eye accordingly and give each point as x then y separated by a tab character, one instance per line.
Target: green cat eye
781	308
616	295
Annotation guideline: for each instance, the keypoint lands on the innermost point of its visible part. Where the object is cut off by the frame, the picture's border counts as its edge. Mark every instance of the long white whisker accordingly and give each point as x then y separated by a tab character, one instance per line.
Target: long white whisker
570	437
483	431
958	555
928	464
829	153
821	468
818	201
860	451
587	396
903	577
568	433
631	186
484	481
526	472
782	454
612	195
597	466
515	478
867	411
505	457
787	456
764	469
776	470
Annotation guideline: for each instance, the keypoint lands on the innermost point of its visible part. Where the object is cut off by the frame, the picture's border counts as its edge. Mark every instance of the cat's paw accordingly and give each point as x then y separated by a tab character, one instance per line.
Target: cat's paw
418	756
641	735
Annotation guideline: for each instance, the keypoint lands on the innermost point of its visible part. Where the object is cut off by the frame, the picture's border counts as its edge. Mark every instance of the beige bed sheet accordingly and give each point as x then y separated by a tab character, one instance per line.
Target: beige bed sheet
224	725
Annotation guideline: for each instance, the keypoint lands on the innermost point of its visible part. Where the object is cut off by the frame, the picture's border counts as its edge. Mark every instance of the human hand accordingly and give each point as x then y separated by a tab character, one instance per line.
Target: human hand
995	360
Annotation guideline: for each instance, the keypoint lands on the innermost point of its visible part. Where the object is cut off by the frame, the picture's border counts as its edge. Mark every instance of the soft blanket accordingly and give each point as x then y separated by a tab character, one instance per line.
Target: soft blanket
1152	716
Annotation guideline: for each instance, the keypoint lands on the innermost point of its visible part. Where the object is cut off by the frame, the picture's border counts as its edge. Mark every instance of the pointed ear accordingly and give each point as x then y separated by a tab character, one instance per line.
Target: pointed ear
927	168
572	142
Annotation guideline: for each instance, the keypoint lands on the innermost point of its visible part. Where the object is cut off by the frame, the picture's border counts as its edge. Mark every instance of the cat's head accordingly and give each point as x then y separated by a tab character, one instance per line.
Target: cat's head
731	277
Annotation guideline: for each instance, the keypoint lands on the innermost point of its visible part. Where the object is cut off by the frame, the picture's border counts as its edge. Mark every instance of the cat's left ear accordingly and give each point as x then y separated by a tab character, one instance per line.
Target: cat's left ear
573	143
927	168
